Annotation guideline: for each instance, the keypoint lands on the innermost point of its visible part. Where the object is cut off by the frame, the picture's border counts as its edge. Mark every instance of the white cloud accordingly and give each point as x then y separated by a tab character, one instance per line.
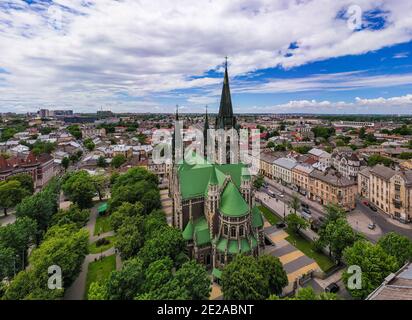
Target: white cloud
394	105
101	48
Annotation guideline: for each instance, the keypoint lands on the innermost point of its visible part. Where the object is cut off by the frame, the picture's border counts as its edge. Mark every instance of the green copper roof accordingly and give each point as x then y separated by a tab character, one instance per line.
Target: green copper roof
194	178
201	231
257	220
217	273
232	203
244	245
188	231
233	247
222	245
213	178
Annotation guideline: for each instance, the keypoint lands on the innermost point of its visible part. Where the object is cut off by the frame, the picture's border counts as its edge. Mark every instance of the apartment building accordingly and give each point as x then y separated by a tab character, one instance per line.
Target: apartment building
330	187
346	163
282	169
391	191
363	182
321	156
300	177
266	164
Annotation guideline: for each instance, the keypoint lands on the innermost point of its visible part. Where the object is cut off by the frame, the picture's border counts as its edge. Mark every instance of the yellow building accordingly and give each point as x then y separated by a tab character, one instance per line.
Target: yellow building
391	192
300	177
330	187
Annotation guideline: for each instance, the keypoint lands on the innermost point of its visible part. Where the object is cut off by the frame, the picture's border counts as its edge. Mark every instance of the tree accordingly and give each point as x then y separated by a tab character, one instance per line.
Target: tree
270	145
11	193
362	133
65	163
295	203
126	210
397	246
158	274
89	144
374	262
375	159
242	279
405	155
156	220
40	147
101	162
151	201
40	207
118	160
26	181
258	182
193	277
273	268
97	291
100	183
129	237
75	131
7	262
128	282
65	246
18	236
72	215
80	189
337	235
296	223
166	242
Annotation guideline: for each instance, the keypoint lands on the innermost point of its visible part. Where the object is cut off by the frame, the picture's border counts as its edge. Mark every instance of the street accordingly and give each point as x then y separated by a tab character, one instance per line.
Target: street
359	218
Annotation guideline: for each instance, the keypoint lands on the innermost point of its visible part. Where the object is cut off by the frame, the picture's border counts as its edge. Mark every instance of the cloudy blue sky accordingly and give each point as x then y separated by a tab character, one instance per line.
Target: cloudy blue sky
148	55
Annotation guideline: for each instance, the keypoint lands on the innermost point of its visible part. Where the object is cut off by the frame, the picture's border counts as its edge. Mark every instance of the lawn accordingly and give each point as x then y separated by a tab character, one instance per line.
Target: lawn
100	270
102	225
308	249
269	215
299	242
94	249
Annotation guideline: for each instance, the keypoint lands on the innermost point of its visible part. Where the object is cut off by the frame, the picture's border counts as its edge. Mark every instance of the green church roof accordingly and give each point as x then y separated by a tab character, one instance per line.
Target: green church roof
194	179
222	245
188	231
257	220
233	247
198	231
232	203
244	245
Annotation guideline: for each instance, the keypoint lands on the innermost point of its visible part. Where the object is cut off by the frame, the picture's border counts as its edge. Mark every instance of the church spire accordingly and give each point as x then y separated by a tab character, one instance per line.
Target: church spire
205	134
225	119
177	113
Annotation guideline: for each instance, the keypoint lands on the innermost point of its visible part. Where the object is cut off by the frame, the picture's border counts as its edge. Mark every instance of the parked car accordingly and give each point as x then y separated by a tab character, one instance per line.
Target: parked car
366	203
280	195
371	226
271	193
280	225
332	288
373	208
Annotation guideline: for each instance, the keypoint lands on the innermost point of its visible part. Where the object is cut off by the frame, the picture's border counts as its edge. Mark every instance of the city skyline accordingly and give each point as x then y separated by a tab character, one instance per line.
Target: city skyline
283	57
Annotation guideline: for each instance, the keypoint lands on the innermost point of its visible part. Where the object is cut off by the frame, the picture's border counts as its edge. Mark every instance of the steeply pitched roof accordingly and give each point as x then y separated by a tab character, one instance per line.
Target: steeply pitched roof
197	231
225	116
232	203
257	220
194	178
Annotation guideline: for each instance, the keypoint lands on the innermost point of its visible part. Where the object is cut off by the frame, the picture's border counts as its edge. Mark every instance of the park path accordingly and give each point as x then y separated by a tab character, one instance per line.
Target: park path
77	290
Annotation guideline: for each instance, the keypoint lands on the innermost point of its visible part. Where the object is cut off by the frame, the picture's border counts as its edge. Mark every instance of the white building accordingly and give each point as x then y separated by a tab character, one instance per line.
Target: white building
282	169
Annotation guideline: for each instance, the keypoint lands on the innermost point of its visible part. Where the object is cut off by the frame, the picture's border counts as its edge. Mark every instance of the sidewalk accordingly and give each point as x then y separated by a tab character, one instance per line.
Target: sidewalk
291	192
77	290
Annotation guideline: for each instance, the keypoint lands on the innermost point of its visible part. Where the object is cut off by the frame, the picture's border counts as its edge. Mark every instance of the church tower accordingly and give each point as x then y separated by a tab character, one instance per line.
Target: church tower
225	119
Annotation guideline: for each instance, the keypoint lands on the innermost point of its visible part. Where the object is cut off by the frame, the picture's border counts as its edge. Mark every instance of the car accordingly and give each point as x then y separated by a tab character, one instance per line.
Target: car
366	203
271	193
332	288
280	225
306	210
280	195
371	226
373	208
